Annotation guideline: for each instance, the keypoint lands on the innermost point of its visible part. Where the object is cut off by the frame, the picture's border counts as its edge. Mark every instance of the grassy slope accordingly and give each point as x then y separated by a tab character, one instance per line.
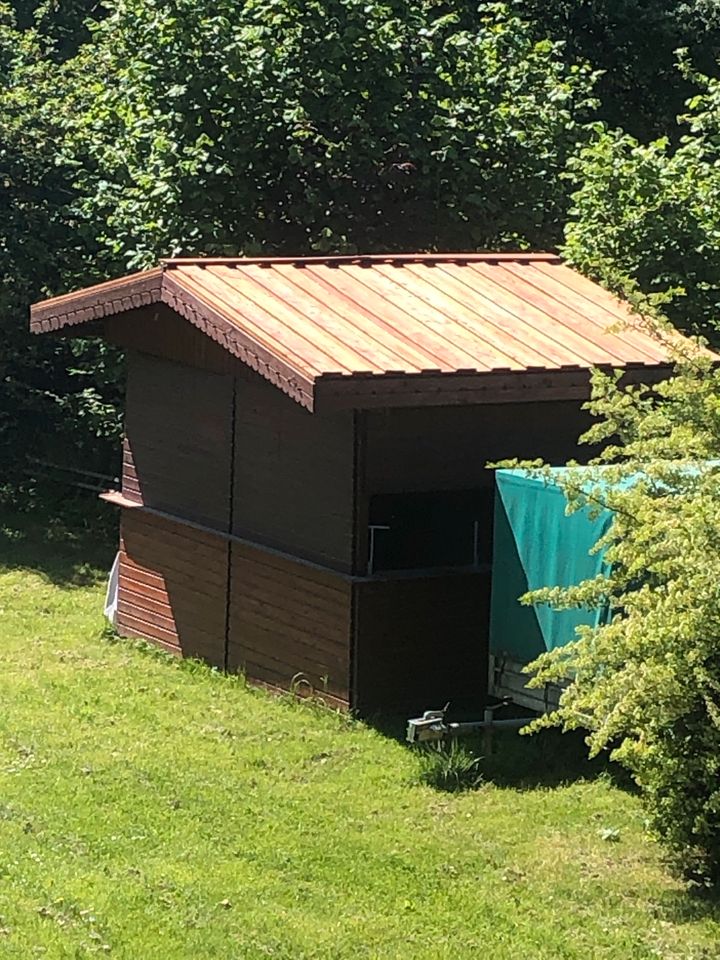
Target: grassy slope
156	810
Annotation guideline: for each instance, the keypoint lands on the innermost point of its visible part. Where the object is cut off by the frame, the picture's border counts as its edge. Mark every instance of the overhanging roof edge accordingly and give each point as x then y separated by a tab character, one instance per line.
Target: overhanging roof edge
308	378
96	302
436	388
160	286
211	322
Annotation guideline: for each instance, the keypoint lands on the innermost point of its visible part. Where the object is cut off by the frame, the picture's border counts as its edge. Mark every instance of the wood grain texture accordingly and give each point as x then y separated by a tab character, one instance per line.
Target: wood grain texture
287	621
178	439
173	586
427	330
293	487
160	331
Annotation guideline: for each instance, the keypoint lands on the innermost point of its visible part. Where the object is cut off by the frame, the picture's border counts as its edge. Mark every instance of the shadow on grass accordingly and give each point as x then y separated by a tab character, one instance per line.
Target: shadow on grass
71	540
693	904
525	762
546	759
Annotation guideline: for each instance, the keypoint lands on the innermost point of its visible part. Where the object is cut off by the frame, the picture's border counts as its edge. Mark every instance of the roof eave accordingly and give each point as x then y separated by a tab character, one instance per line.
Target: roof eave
94	303
161	286
435	388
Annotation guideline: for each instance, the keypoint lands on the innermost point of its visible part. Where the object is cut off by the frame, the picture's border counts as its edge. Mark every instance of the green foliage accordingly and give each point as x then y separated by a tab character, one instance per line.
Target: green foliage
62	25
131	130
449	766
652	212
633	43
647	684
290	125
47	384
243	126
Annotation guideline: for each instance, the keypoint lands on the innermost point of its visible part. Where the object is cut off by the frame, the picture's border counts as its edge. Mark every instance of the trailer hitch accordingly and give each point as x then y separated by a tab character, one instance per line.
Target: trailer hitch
431	726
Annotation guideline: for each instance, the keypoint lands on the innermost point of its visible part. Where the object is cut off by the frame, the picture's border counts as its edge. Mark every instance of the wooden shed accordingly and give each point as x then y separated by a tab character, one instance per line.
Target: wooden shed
305	494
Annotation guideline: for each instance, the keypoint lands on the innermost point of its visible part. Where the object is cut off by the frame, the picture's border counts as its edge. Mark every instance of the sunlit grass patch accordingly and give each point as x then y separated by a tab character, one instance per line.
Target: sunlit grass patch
154	809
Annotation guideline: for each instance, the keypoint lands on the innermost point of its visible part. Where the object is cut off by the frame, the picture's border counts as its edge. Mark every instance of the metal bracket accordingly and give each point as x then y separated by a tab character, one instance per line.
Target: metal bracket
429	727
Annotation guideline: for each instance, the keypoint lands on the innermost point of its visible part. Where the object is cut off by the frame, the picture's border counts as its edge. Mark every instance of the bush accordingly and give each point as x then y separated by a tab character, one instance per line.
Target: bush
321	125
647	683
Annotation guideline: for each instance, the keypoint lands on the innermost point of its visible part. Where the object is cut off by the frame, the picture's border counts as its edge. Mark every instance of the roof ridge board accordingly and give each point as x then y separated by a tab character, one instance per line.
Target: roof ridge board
173	262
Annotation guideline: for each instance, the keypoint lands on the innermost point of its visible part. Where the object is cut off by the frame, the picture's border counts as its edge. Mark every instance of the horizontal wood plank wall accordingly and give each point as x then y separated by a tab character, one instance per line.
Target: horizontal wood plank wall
288	620
178	425
173	586
447	448
293	486
420	643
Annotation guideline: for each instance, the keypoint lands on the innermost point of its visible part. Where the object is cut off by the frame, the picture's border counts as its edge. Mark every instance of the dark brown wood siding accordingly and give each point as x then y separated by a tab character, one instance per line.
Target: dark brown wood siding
177	450
159	331
447	448
130	482
173	586
293	486
420	643
289	622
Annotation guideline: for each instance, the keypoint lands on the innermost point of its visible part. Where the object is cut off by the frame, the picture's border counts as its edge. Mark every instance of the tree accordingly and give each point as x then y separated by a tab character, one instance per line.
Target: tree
242	126
301	125
633	43
646	685
653	212
46	384
62	26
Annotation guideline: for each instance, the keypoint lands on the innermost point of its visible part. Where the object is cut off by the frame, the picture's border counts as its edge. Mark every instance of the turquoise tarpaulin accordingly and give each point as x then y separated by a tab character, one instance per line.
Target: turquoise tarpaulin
536	544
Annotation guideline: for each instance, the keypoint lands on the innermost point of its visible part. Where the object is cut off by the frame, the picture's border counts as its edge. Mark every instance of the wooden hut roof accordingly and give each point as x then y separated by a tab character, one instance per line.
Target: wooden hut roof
357	331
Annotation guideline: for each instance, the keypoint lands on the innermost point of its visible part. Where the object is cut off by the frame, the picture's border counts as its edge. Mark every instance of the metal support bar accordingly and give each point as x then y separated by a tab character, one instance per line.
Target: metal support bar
432	727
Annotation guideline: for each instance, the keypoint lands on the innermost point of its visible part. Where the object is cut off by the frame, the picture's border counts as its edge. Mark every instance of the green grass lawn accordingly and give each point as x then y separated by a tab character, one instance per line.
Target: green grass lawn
151	809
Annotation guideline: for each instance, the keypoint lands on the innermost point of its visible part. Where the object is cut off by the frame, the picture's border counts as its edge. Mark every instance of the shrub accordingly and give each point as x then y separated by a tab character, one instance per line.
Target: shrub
647	683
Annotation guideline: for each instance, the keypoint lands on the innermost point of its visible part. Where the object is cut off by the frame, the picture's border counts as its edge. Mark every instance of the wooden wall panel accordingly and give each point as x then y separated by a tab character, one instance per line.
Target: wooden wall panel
293	486
420	643
173	586
446	448
286	620
159	331
177	450
130	483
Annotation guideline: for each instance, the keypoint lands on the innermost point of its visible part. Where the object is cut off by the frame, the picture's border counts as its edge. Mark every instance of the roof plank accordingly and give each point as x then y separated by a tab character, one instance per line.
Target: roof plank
392	328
